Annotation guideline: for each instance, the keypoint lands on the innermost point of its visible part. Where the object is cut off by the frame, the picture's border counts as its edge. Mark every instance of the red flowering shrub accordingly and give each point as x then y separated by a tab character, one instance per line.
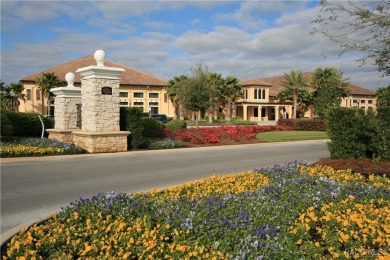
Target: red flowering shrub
217	134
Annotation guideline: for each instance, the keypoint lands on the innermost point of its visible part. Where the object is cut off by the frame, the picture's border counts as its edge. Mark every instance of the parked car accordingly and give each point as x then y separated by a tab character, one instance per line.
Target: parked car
161	117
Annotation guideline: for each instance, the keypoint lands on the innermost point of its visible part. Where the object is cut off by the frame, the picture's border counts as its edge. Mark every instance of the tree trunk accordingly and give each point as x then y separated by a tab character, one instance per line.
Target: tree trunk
229	111
181	112
211	111
294	115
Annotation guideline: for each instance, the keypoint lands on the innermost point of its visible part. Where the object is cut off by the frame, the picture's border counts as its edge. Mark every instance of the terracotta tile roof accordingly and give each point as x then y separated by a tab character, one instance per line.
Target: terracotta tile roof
276	87
129	77
254	82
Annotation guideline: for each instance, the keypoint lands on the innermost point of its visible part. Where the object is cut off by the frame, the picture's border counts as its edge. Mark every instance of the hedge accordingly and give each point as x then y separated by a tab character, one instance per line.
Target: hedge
26	124
304	125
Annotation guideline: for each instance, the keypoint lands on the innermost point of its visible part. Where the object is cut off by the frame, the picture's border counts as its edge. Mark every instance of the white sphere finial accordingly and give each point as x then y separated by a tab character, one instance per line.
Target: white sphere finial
69	77
99	57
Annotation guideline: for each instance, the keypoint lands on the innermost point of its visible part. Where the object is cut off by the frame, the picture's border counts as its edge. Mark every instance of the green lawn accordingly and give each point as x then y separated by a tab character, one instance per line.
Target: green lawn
283	136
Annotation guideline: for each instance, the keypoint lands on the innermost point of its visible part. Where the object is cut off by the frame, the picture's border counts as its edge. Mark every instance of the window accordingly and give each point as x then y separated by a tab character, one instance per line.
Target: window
165	97
355	102
370	103
124	104
124	94
153	95
138	95
153	104
138	104
38	94
259	93
256	112
154	110
263	112
28	94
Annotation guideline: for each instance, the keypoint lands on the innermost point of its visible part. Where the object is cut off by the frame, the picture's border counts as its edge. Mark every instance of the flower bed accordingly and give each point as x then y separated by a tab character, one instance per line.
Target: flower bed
36	147
292	211
211	135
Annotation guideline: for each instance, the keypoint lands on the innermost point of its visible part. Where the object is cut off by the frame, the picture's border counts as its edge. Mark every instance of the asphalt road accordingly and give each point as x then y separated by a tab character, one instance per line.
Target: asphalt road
34	188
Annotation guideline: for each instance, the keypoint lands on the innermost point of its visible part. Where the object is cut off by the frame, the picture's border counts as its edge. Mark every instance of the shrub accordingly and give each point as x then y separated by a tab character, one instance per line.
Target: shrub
28	124
167	143
351	132
239	121
6	125
151	127
304	125
176	124
381	138
131	120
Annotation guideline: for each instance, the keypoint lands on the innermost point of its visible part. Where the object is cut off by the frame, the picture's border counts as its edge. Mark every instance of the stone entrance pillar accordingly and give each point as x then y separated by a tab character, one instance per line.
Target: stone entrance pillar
100	130
65	114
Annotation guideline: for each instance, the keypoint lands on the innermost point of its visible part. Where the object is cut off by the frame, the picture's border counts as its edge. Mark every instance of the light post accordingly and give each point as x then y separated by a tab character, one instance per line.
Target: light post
12	95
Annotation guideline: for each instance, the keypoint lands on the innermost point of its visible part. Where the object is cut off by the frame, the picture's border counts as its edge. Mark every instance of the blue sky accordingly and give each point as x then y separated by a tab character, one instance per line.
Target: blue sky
247	39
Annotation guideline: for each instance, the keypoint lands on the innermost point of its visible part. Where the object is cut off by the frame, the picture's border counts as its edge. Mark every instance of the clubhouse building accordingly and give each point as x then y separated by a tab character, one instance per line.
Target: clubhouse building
139	89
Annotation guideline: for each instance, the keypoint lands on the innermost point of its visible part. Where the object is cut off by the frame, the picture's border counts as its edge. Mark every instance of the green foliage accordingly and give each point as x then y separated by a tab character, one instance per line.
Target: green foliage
10	96
239	121
304	99
381	138
383	96
197	90
351	132
6	125
28	124
294	82
151	127
166	143
228	92
131	120
45	82
330	87
176	124
175	91
304	125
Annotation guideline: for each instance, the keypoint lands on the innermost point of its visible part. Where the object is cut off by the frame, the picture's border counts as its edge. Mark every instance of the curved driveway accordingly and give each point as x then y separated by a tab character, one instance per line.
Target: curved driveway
32	188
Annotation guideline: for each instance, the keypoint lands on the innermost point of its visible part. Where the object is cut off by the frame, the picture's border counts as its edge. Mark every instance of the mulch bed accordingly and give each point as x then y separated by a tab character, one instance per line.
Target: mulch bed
364	166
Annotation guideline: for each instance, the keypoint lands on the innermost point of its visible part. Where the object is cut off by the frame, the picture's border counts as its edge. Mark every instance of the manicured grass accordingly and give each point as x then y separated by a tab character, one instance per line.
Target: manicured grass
284	136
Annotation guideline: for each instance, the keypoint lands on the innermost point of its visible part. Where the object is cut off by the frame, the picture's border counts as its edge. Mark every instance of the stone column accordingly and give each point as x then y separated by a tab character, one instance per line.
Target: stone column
100	130
65	114
260	108
277	113
245	112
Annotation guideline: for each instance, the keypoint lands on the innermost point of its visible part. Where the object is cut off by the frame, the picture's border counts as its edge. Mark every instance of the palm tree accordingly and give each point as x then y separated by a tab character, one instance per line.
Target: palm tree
16	91
45	82
330	87
229	91
294	82
304	100
175	91
215	81
11	94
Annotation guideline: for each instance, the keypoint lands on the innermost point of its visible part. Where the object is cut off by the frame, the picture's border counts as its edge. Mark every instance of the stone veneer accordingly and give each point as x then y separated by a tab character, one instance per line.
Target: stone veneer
65	112
101	142
100	112
62	135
